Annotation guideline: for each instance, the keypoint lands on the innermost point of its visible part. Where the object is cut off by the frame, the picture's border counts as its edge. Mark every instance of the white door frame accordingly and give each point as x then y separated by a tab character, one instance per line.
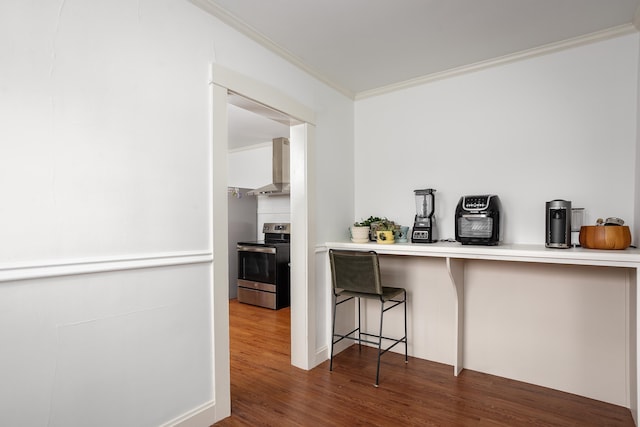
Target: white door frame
303	335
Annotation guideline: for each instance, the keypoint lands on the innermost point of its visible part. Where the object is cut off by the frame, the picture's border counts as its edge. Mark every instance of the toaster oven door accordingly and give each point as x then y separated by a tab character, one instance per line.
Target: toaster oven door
475	226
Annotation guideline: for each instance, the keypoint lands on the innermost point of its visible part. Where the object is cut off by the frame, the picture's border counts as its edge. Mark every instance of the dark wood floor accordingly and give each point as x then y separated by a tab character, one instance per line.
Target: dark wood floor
267	391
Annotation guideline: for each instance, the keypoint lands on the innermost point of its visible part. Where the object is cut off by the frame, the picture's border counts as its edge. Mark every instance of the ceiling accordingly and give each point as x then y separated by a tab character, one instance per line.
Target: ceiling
251	123
366	47
362	46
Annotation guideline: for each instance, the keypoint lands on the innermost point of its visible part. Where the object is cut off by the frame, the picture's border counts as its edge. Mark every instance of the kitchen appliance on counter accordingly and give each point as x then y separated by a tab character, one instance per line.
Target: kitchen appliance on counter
478	220
558	224
424	223
263	268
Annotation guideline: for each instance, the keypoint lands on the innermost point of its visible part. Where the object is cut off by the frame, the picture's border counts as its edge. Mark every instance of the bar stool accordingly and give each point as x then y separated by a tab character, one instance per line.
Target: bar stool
356	274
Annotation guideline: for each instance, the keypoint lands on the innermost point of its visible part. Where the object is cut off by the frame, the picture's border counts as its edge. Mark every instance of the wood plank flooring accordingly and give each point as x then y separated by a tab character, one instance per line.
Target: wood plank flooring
267	391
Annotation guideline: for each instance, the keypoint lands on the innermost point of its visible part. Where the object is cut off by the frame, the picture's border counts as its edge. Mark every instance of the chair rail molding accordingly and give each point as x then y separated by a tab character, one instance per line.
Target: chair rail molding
10	272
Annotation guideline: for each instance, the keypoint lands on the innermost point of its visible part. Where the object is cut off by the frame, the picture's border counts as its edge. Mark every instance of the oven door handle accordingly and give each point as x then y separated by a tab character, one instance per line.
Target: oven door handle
260	249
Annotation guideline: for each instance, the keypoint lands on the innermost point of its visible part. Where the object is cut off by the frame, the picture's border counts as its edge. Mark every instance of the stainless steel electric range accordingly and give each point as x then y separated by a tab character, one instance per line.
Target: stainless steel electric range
263	268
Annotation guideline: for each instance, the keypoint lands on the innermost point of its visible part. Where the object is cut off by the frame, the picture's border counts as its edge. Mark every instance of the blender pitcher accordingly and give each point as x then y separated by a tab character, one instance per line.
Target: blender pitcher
423	226
424	203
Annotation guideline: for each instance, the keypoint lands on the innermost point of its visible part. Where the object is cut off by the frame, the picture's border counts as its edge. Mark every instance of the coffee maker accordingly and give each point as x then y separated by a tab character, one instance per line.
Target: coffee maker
558	224
424	223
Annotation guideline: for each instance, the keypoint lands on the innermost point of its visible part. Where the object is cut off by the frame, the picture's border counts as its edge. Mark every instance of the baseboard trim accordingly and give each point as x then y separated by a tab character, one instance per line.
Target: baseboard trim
202	416
322	354
68	267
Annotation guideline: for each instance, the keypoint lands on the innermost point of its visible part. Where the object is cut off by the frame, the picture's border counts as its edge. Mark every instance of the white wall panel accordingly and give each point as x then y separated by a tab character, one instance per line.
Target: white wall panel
635	403
250	167
561	125
105	349
563	327
558	326
105	142
430	297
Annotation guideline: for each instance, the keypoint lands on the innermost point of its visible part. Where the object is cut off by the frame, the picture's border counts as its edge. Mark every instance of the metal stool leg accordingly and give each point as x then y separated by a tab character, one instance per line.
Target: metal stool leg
359	325
406	339
379	343
333	330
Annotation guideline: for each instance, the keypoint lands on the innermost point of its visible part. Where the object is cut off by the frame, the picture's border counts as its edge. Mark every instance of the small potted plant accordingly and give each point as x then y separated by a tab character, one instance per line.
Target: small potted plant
359	232
384	231
362	232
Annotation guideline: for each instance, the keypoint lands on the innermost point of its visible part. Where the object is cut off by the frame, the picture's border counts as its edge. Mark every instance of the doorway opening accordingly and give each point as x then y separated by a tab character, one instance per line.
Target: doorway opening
258	143
258	157
225	84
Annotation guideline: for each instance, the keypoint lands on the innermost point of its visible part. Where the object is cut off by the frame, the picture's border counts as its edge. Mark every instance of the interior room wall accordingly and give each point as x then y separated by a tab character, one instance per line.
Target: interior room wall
635	296
557	126
93	118
250	167
106	158
636	221
105	349
561	125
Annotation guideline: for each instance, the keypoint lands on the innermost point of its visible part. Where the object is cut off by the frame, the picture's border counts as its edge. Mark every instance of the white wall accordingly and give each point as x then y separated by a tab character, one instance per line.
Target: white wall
104	125
561	125
636	232
250	167
105	157
335	173
634	294
105	349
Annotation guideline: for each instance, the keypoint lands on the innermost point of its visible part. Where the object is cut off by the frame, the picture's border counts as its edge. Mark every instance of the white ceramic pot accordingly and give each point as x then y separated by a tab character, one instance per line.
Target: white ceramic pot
359	234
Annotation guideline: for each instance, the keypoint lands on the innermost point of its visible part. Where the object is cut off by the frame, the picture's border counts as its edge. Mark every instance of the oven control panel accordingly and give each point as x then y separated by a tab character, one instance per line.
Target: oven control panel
277	227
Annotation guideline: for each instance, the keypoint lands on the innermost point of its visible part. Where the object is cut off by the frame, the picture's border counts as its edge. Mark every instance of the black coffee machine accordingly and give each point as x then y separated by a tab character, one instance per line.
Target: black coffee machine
424	223
558	224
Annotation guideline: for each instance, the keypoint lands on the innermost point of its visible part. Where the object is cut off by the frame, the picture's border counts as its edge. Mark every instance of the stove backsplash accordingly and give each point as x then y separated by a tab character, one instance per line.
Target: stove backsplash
272	209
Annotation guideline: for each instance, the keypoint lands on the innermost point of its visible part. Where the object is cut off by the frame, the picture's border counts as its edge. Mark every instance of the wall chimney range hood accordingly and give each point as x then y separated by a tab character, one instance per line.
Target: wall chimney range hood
280	169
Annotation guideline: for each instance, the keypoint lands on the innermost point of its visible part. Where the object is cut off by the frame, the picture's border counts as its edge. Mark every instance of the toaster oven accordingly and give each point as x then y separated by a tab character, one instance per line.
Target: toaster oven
478	220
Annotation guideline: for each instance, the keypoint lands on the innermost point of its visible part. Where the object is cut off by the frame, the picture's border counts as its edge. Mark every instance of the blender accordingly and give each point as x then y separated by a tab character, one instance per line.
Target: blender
424	223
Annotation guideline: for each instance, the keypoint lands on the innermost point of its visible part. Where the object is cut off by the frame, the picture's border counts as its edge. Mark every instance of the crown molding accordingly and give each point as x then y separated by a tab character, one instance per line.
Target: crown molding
212	8
502	60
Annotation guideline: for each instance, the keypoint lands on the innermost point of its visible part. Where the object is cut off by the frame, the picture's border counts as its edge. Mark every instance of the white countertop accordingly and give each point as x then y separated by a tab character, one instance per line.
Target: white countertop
629	257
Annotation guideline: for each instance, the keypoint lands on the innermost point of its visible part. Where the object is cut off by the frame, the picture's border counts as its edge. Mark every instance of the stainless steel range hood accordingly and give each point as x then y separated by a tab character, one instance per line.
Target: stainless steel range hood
280	164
